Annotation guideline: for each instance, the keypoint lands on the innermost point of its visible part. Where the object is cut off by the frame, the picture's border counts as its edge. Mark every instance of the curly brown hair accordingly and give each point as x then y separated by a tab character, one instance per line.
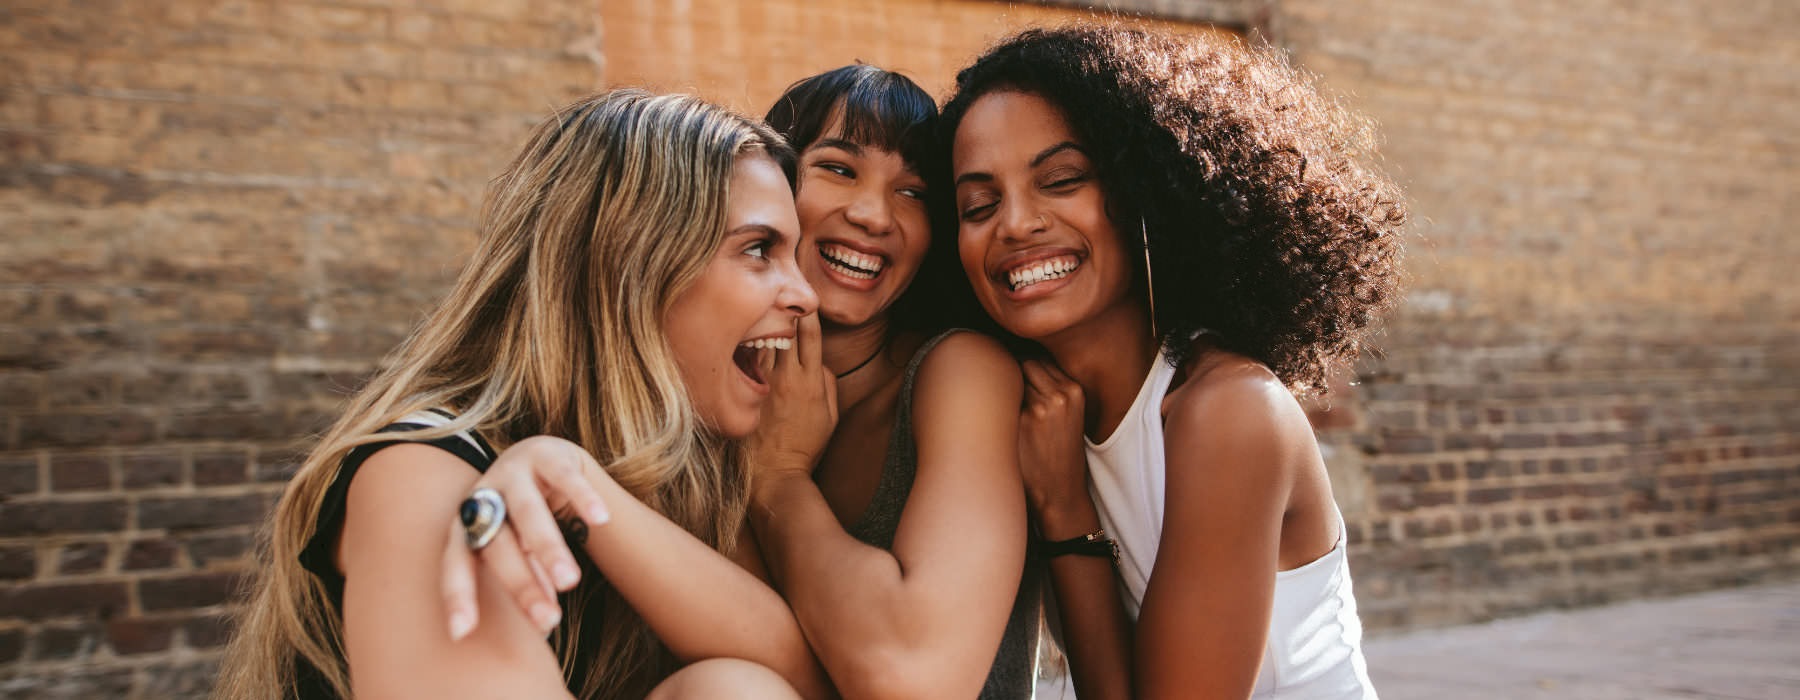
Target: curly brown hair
1268	222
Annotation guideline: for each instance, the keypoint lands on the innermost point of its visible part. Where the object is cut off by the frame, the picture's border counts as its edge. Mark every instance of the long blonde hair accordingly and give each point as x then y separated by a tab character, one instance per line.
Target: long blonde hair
554	327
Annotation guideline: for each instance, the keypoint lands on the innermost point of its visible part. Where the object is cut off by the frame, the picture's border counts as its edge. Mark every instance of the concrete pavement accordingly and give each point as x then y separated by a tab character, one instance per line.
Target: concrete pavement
1739	644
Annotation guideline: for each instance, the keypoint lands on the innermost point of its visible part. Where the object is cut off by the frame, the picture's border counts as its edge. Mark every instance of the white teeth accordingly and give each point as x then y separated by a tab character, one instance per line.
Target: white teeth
763	343
850	262
1049	270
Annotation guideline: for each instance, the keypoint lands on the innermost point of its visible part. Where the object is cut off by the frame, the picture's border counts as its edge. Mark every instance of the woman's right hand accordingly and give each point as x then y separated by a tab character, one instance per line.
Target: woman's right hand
537	478
801	410
1052	459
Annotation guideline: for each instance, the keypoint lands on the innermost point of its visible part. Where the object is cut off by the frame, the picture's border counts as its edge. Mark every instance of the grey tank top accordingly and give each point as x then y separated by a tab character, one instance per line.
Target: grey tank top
1011	676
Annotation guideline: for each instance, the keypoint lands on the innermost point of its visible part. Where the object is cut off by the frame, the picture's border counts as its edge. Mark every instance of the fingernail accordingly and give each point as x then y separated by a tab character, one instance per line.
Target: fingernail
566	575
460	624
546	615
597	515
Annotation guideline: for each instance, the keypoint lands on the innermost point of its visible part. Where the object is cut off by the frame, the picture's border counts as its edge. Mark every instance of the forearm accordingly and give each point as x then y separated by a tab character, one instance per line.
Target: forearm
699	603
1097	634
852	599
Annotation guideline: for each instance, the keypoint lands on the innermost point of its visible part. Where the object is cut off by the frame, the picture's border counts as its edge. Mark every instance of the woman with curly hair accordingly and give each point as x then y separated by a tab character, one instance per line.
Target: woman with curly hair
1193	235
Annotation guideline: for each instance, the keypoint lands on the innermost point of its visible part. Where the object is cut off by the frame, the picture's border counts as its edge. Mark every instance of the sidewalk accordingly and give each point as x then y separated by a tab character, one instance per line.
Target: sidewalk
1740	644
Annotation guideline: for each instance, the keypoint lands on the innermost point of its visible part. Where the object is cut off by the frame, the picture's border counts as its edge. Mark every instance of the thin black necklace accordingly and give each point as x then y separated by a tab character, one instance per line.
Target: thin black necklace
860	365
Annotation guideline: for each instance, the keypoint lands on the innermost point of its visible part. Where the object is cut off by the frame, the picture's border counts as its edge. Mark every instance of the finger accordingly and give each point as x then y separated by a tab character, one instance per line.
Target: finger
458	584
809	340
1055	372
529	518
831	401
508	564
570	483
1037	380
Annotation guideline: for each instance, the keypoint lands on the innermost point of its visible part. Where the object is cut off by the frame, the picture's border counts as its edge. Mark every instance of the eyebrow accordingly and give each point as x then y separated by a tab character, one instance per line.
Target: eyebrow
851	147
761	229
1036	160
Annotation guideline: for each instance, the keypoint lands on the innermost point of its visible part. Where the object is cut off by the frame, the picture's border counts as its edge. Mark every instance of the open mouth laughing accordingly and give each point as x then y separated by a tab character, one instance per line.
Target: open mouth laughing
749	356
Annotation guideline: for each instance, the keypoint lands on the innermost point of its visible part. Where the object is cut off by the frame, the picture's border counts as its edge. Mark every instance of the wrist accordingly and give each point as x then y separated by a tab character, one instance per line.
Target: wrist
1065	519
770	486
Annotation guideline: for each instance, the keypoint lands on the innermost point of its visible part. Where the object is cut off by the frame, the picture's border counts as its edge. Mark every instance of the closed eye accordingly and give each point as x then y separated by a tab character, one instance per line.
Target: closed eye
837	169
1064	179
978	210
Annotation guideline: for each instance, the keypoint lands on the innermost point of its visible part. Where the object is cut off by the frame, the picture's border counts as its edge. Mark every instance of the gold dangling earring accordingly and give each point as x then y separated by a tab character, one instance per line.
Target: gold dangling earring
1149	281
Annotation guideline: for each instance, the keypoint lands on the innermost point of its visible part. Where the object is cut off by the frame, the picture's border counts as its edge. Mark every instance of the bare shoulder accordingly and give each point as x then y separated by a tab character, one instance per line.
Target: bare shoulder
396	492
968	361
1228	387
1233	408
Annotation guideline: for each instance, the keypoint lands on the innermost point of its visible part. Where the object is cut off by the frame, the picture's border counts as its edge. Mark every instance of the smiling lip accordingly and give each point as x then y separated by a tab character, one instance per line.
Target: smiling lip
851	264
1045	269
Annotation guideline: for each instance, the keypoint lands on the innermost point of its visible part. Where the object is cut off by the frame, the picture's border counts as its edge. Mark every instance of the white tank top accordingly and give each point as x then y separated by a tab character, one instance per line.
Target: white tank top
1315	638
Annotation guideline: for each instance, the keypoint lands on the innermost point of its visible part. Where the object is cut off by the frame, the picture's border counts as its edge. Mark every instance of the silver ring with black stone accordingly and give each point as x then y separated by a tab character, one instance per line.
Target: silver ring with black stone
482	514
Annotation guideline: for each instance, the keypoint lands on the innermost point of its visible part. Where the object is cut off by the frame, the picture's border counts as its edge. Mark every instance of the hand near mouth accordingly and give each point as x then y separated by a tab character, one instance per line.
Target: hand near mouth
801	411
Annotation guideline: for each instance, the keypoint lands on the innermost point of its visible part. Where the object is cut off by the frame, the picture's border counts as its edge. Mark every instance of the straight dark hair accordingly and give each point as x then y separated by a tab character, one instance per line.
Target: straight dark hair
886	110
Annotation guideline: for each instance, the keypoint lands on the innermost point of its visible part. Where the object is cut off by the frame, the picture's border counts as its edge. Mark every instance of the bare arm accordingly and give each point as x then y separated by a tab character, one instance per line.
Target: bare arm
390	552
1097	632
699	603
925	619
1233	448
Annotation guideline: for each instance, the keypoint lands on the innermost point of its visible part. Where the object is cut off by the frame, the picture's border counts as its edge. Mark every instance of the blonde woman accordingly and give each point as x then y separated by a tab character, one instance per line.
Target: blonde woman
886	502
636	268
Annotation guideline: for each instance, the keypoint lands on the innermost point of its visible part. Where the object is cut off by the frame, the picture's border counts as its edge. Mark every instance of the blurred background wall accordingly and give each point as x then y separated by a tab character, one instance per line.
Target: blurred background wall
217	215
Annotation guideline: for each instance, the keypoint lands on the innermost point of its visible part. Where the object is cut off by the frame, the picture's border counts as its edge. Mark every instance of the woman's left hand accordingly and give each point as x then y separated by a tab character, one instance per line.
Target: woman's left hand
801	410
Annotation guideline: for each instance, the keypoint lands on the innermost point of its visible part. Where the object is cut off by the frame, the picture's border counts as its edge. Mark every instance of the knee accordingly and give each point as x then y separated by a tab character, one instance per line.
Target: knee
724	678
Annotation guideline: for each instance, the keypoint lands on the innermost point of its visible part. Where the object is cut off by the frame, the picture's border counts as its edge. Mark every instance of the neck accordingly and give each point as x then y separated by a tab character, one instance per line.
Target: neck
1109	356
845	347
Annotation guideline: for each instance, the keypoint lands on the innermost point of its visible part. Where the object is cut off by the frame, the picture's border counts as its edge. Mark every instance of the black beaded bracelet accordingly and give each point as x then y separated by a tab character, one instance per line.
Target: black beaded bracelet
1093	544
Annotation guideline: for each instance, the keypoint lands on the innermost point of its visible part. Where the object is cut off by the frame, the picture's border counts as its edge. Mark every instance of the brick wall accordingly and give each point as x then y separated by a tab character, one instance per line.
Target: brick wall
216	216
1593	391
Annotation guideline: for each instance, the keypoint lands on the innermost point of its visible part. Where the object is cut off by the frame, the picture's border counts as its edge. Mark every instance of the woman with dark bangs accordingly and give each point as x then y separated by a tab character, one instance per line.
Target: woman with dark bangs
886	499
1192	235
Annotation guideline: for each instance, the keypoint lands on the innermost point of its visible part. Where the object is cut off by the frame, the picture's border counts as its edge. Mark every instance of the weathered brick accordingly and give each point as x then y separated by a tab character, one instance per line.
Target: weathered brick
226	424
221	468
208	549
39	601
198	512
189	591
55	430
20	391
58	642
28	518
80	390
130	636
206	631
81	472
18	562
82	557
12	645
151	469
18	475
150	554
